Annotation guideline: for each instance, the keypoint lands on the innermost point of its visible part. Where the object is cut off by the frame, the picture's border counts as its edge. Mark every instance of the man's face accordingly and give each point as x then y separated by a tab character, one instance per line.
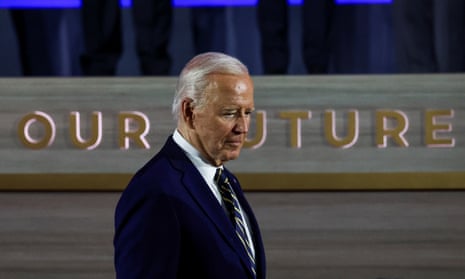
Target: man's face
221	125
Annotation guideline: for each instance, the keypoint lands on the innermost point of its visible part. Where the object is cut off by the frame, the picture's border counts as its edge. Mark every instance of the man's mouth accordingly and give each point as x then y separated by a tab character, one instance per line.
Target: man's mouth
236	143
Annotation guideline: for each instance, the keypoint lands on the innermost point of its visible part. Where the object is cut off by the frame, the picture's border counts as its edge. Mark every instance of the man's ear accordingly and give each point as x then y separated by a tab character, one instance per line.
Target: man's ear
188	112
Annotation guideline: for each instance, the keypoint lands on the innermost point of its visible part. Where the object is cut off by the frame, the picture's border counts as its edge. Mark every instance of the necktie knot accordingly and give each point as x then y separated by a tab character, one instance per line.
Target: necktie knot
226	193
220	177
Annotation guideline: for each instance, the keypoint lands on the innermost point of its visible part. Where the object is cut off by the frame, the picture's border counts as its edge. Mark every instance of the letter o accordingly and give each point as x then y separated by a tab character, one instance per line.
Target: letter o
48	125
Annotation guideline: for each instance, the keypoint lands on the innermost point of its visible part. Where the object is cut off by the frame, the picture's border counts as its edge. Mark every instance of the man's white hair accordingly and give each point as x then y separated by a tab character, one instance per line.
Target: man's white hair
194	79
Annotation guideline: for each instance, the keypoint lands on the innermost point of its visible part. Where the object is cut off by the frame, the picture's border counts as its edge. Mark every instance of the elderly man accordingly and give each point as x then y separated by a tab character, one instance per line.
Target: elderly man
184	215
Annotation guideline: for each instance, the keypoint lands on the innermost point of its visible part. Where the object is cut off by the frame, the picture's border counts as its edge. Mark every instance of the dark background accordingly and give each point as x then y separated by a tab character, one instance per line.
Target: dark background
363	41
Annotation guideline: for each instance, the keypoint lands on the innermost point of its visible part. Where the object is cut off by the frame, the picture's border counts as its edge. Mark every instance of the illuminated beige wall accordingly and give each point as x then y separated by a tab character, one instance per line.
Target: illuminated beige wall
309	132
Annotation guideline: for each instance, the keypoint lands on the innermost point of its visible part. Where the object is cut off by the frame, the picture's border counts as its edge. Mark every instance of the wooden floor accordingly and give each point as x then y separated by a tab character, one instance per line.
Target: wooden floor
363	235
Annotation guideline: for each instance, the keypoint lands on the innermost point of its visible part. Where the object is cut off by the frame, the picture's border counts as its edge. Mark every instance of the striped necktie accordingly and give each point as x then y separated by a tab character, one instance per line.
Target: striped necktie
232	205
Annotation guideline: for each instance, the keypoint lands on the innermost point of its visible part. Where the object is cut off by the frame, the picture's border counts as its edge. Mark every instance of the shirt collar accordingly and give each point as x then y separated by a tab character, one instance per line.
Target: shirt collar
206	169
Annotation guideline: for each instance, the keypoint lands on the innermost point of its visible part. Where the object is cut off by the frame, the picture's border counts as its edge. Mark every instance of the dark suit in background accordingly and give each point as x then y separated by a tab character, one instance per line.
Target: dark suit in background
103	36
273	23
429	35
208	25
46	41
152	22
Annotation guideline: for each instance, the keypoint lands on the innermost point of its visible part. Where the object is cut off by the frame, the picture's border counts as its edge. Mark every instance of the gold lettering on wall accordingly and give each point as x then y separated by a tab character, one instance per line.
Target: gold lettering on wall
75	130
352	129
294	120
432	128
133	125
37	129
396	132
47	125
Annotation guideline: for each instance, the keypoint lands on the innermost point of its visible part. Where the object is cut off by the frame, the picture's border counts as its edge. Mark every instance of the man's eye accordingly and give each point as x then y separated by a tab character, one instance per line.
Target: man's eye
229	114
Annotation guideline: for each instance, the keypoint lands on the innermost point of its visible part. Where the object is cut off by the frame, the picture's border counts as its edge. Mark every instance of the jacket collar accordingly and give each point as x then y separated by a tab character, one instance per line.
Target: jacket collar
194	183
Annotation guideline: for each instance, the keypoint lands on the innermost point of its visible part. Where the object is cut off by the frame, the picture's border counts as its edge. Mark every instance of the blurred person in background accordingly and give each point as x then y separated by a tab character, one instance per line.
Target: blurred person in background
429	35
103	43
273	23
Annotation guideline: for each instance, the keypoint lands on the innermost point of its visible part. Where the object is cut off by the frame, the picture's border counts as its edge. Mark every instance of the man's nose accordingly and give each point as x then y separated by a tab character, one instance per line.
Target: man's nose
242	124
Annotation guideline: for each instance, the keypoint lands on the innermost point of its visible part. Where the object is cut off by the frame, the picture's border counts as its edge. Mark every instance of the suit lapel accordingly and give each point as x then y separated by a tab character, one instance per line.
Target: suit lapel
200	192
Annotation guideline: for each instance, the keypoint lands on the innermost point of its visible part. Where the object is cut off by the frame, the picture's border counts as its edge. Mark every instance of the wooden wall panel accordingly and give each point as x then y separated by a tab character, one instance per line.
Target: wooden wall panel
317	235
294	148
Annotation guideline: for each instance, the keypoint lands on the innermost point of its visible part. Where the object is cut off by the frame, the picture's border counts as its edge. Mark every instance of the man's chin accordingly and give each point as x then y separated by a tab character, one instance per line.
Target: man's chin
232	155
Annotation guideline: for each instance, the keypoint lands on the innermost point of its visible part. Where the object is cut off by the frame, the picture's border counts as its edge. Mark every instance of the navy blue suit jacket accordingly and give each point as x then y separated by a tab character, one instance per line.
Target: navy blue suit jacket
168	224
